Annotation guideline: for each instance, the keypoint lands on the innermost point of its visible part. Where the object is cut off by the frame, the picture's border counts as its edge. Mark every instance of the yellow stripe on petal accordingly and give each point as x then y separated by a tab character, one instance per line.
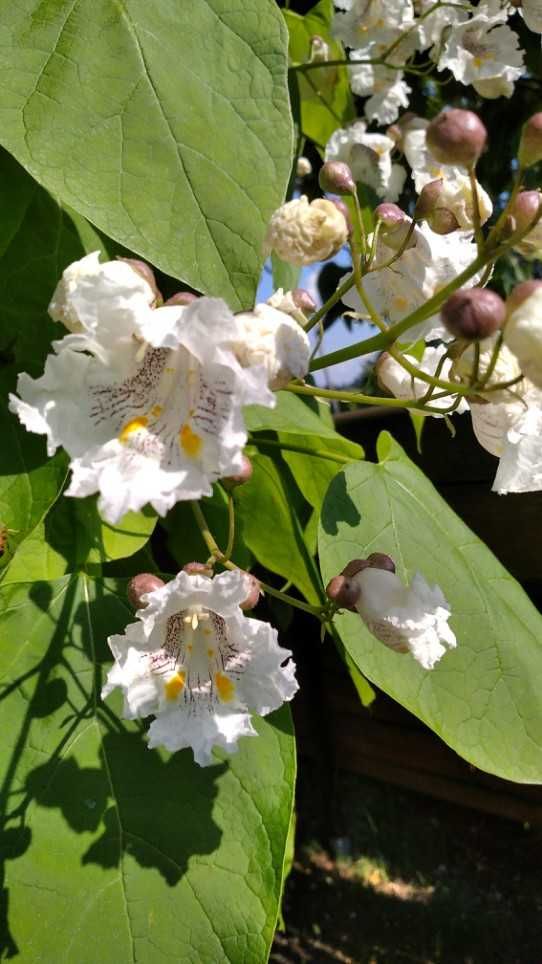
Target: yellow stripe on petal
190	442
225	687
156	411
133	426
174	686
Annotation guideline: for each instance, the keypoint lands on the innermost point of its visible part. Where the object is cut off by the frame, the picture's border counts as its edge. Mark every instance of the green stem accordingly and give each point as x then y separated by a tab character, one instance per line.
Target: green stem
332	300
476	219
358	398
221	557
231	527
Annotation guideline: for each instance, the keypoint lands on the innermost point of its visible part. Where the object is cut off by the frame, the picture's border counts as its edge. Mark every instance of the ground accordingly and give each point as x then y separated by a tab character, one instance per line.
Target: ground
410	879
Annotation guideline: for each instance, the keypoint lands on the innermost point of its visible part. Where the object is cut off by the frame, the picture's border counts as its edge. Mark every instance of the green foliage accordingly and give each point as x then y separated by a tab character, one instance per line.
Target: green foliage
113	107
113	850
482	698
325	97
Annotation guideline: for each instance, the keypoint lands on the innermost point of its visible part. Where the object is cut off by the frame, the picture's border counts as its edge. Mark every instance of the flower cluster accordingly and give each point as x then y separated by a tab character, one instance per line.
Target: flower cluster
146	398
477	45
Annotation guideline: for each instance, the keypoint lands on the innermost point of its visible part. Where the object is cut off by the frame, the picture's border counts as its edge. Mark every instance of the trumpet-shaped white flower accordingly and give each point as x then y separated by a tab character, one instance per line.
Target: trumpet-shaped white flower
429	30
512	431
408	619
156	417
402	384
369	20
523	336
531	11
419	273
369	158
272	338
199	665
383	85
484	52
456	194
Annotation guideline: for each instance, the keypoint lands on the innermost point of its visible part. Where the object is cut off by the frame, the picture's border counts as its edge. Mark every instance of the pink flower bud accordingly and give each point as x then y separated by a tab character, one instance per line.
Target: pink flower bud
244	475
336	178
520	293
530	145
525	208
456	137
253	594
198	569
428	199
303	300
183	298
343	592
443	221
343	208
473	313
147	273
143	583
390	215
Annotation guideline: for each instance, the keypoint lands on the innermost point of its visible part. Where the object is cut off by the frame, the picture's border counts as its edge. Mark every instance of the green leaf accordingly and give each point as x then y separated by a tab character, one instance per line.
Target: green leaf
482	698
165	124
113	852
315	468
271	528
326	99
292	414
285	276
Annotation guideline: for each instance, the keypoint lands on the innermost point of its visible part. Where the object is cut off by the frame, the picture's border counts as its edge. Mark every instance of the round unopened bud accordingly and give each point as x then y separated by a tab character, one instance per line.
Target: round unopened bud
302	233
525	208
198	569
443	221
183	298
140	585
303	300
343	592
428	199
244	475
456	136
520	293
473	313
336	178
253	592
319	50
530	144
390	215
379	560
145	271
303	167
343	208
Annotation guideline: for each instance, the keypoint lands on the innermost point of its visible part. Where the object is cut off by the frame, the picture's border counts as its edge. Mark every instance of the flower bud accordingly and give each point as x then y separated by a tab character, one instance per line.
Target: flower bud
428	199
335	177
319	50
342	592
254	591
145	271
443	221
183	298
520	293
244	475
391	215
343	208
304	300
530	145
302	233
303	167
523	333
456	136
509	227
377	560
473	313
140	585
525	208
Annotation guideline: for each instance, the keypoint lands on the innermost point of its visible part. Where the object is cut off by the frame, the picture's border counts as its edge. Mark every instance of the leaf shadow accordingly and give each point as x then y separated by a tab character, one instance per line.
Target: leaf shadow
338	506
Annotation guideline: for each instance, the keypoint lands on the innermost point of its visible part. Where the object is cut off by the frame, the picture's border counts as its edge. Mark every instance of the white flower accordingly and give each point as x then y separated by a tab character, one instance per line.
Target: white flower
369	159
531	11
154	419
302	233
303	167
531	245
512	430
384	86
270	337
406	618
369	20
420	272
429	30
199	665
523	336
484	52
400	383
456	193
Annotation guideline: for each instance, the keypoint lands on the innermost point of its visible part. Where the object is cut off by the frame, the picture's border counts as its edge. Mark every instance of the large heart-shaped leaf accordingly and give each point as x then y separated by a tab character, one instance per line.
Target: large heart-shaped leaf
482	698
114	852
166	124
